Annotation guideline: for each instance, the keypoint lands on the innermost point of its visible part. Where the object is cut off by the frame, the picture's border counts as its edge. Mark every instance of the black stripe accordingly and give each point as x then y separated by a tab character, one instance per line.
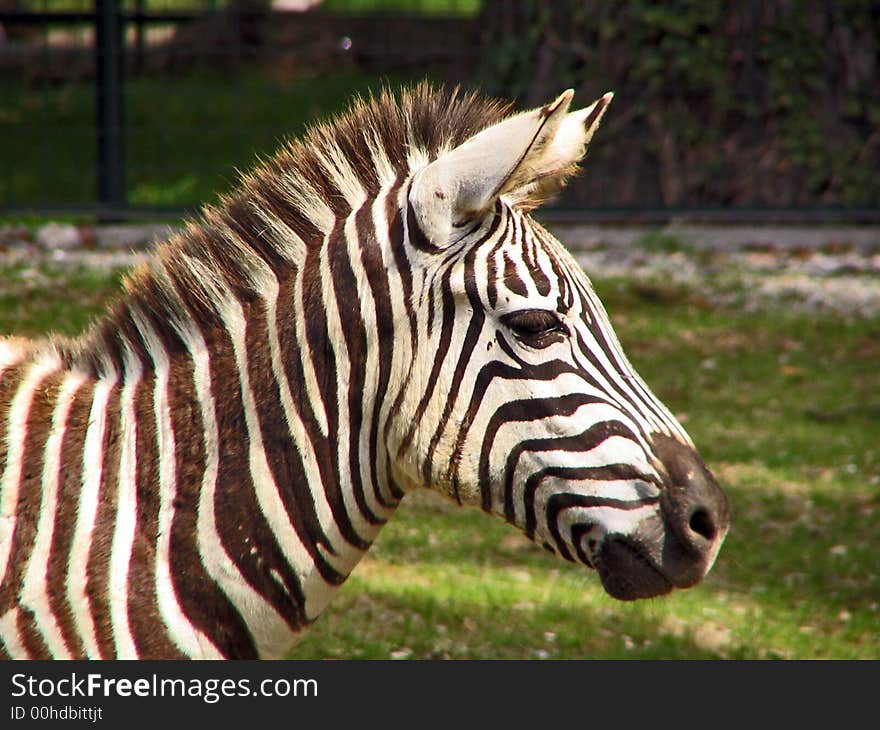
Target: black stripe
244	532
282	454
144	618
324	362
67	504
501	216
512	280
582	442
32	439
612	380
447	326
397	239
200	598
345	290
523	411
31	639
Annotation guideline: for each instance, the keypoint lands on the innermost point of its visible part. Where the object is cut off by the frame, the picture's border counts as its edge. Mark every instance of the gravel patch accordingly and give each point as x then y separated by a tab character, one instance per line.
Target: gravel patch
846	284
723	238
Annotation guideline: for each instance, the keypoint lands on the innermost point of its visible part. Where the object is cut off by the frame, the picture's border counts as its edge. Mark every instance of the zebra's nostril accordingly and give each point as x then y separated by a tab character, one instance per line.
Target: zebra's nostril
694	507
702	524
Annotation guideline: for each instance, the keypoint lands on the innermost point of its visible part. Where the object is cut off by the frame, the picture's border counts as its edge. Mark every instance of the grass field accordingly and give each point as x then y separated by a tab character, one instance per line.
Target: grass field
784	405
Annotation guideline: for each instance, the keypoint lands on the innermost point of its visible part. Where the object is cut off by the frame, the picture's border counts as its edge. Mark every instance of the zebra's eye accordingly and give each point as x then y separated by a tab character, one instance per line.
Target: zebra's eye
535	327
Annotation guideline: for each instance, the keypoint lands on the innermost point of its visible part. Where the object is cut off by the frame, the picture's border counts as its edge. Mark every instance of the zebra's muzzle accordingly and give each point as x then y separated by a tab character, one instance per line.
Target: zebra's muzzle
696	513
626	571
677	547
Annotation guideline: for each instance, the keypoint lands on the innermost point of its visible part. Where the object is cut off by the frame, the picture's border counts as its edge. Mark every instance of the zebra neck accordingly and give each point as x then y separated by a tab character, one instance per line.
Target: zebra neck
208	445
253	433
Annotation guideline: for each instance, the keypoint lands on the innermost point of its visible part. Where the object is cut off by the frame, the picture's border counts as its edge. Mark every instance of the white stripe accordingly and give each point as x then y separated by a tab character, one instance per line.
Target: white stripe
404	361
35	591
126	511
188	639
616	389
655	415
302	196
77	567
401	355
10	635
285	240
503	236
608	520
385	170
623	380
341	173
16	437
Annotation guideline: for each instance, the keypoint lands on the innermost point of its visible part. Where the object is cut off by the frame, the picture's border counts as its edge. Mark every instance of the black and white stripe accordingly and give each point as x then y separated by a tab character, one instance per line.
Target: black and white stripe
370	313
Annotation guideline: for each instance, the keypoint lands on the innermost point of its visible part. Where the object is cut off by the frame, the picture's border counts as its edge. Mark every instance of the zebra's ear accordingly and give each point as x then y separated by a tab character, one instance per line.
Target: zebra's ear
516	157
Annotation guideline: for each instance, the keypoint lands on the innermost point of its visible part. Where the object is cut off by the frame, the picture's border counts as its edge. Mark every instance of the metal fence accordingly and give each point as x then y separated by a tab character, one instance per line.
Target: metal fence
147	108
62	72
136	108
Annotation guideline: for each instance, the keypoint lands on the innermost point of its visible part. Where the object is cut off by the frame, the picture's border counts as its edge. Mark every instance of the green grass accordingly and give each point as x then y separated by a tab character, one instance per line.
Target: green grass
38	300
797	578
186	137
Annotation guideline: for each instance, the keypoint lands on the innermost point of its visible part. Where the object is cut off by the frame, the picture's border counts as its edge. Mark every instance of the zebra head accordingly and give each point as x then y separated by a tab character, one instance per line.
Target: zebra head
519	398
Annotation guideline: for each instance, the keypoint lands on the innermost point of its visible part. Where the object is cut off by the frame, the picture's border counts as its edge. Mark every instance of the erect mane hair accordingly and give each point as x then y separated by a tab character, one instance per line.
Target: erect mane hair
308	185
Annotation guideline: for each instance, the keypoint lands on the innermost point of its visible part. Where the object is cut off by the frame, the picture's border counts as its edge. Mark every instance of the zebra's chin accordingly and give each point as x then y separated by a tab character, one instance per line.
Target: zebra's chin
627	574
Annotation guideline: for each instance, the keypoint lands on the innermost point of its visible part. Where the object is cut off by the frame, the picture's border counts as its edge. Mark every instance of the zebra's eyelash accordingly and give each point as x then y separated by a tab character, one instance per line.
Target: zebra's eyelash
535	327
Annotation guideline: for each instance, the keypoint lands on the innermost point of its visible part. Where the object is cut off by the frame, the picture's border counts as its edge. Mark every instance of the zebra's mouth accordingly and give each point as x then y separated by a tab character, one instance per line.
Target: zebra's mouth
627	573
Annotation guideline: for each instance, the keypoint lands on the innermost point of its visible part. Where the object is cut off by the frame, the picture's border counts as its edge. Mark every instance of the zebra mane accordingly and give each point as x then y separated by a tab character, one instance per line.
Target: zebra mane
289	203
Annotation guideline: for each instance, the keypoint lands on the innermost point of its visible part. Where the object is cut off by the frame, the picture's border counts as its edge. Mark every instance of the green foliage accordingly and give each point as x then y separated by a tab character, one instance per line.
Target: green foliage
774	104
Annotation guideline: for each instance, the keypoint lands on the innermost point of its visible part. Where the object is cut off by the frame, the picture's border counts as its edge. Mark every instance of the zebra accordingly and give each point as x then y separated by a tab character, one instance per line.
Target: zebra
371	311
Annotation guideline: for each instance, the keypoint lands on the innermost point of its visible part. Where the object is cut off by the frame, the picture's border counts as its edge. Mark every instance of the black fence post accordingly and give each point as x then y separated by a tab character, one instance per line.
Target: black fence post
138	64
110	104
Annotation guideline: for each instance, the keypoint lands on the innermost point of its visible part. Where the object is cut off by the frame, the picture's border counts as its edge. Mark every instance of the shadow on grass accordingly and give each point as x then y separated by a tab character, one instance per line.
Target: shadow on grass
824	550
378	624
790	582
